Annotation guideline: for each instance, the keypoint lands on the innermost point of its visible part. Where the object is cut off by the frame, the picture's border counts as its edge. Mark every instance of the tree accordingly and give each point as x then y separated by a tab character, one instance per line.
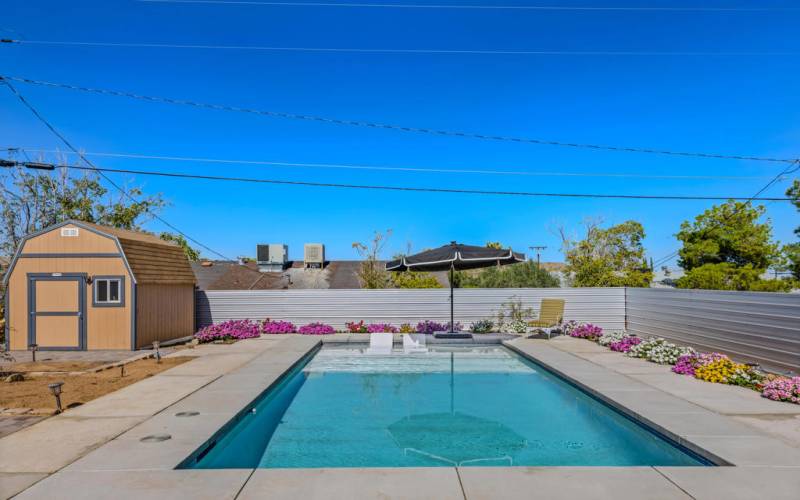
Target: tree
415	279
727	248
31	202
607	257
191	253
792	250
412	279
372	272
522	275
727	233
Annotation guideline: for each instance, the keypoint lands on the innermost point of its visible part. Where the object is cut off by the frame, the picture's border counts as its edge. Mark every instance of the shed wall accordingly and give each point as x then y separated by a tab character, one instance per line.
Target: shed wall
163	312
107	327
87	241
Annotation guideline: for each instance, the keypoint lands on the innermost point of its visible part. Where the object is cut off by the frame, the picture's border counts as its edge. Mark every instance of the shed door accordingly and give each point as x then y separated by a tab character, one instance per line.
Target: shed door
57	312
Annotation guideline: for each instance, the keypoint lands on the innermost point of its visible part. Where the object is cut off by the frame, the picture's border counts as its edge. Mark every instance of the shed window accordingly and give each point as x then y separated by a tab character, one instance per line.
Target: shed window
108	291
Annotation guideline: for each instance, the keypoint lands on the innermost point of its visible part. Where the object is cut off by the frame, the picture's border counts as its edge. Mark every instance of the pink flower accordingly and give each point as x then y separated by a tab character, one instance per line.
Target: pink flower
586	331
783	389
625	344
316	329
275	327
381	328
229	330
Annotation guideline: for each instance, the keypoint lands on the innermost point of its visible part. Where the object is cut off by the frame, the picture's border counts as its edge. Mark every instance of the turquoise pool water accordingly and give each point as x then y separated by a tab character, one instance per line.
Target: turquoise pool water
444	406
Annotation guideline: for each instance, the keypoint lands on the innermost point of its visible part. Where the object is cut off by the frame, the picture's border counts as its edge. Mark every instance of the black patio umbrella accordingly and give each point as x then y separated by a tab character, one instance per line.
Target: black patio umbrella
455	257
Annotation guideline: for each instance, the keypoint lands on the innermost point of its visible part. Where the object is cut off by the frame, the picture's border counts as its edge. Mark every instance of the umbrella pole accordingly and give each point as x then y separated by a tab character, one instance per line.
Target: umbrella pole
451	299
452	384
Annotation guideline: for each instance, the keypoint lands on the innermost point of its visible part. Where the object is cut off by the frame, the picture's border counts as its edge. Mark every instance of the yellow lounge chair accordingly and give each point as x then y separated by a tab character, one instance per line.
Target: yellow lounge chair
551	312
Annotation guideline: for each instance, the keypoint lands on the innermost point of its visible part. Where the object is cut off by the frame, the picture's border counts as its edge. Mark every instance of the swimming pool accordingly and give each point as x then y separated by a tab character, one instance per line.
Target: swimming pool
440	406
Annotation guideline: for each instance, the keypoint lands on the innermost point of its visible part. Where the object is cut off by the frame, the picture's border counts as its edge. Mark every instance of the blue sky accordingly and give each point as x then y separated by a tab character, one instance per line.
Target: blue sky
727	104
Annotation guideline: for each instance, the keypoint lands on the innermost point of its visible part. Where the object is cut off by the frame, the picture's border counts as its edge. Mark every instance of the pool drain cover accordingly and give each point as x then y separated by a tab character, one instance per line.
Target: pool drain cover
187	414
155	438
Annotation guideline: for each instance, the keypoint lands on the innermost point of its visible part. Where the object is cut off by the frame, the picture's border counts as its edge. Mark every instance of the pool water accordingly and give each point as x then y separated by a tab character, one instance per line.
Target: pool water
443	406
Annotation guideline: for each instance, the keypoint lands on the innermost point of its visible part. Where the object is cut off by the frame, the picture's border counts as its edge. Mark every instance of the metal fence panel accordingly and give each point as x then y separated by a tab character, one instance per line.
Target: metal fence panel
602	306
750	326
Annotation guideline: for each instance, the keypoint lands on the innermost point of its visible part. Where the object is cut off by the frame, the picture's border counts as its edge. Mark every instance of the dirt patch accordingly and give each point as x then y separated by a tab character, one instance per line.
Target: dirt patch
78	389
55	366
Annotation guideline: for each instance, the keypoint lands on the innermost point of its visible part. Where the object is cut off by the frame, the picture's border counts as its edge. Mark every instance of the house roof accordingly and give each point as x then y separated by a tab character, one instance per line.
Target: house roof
229	275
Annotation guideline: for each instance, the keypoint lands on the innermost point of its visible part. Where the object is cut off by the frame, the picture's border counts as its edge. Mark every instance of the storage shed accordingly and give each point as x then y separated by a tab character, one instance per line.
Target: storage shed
82	286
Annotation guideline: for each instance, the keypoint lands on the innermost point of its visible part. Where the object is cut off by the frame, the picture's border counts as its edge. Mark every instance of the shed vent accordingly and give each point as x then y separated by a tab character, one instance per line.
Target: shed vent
69	232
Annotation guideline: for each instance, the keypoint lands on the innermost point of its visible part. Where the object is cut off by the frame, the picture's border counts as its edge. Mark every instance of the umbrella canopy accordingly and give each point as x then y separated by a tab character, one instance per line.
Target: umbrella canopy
455	256
456	438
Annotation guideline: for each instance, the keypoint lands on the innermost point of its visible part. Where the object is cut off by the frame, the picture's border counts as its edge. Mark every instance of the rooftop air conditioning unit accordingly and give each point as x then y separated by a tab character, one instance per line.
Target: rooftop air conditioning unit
314	255
272	258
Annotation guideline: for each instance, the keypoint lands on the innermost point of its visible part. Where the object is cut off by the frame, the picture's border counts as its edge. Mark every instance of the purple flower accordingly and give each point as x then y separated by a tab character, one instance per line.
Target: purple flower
783	389
586	331
381	328
229	330
274	327
625	344
316	329
429	327
685	364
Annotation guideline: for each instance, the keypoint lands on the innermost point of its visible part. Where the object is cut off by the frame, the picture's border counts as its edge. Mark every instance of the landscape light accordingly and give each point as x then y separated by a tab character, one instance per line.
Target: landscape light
55	388
33	348
156	345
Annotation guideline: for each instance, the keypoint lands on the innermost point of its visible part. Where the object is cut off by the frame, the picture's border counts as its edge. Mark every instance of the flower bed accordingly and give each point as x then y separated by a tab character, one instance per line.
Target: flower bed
316	329
782	389
586	331
381	328
354	327
276	327
229	330
429	327
659	351
710	367
482	326
624	345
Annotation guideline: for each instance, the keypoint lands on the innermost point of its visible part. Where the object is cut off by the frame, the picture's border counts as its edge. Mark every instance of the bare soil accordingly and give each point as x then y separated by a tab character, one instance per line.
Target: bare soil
78	389
55	366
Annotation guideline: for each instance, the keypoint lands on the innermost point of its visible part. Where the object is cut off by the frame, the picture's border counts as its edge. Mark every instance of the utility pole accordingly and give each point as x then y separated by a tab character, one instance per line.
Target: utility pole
538	249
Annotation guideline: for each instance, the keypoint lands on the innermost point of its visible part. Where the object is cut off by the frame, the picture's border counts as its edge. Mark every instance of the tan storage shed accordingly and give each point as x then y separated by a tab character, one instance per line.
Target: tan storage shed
81	286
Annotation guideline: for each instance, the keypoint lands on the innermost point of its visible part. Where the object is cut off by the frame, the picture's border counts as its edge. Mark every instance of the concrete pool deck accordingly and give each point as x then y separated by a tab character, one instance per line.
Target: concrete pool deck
95	451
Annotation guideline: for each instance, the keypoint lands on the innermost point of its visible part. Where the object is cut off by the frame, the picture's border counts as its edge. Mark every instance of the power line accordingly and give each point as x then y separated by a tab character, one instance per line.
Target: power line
362	50
794	167
384	126
67	143
477	7
405	188
137	156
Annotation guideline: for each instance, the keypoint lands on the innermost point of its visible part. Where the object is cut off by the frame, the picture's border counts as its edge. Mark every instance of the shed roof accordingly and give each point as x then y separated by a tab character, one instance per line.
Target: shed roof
151	259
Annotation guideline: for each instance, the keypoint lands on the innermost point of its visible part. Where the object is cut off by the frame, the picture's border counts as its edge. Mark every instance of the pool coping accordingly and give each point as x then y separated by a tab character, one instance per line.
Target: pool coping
125	458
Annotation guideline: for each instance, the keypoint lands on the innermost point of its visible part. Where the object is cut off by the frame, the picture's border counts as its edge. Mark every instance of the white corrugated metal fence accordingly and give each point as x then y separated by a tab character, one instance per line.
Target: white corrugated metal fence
603	306
760	327
750	326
